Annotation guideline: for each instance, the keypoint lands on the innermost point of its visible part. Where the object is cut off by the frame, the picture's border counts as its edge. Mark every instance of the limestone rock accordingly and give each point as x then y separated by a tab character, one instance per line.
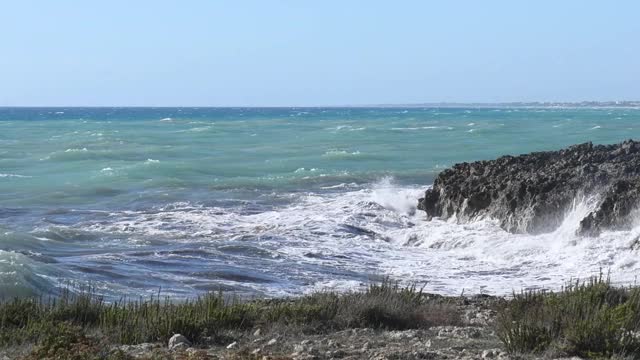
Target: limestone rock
532	193
178	341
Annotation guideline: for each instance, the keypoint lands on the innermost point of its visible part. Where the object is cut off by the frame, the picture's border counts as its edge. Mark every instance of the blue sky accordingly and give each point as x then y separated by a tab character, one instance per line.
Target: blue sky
280	53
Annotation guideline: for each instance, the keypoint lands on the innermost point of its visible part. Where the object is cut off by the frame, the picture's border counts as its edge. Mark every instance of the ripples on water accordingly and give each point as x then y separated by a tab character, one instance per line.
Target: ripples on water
277	201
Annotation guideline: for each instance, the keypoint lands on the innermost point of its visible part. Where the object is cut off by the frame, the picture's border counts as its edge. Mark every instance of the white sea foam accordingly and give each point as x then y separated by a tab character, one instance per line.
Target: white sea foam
596	127
340	186
303	170
197	129
377	231
346	128
340	153
13	176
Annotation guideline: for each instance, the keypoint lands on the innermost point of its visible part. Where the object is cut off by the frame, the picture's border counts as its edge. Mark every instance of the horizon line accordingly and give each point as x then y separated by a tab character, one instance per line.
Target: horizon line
589	103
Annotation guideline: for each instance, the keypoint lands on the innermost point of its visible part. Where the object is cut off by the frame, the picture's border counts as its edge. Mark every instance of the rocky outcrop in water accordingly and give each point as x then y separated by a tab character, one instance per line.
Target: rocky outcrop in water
532	193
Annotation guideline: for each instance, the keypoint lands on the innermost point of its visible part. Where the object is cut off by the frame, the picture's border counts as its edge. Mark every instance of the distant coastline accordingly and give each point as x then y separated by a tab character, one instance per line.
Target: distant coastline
533	104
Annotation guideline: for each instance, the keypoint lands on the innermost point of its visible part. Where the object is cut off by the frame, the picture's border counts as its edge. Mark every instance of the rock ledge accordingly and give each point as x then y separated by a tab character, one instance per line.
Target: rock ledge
532	193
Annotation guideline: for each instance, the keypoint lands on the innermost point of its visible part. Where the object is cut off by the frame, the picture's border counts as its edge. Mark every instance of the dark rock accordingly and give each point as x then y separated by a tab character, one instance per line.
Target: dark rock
531	193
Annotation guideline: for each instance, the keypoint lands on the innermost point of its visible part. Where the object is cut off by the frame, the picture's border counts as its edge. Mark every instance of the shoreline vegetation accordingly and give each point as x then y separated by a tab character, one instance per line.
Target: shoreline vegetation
588	319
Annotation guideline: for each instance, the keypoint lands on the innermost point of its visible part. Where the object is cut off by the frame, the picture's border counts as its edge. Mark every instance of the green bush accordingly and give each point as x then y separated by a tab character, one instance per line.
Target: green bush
590	319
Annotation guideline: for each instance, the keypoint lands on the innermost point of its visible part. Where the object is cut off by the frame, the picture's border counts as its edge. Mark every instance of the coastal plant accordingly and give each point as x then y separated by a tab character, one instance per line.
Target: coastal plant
588	319
207	318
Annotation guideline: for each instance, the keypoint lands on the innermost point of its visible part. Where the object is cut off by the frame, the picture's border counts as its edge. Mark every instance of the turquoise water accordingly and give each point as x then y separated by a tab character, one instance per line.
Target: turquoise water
274	201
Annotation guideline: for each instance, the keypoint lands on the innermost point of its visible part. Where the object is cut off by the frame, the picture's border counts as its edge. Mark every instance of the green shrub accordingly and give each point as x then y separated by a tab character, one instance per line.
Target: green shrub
591	319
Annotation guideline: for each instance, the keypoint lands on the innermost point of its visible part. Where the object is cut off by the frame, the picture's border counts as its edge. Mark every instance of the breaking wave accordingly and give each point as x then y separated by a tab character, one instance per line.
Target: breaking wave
337	239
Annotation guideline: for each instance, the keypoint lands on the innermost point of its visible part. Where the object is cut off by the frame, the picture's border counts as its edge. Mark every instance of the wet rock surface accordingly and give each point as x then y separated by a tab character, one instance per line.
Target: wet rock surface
531	193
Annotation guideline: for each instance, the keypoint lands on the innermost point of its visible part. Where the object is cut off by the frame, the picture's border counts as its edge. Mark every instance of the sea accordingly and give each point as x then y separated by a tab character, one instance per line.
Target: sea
277	202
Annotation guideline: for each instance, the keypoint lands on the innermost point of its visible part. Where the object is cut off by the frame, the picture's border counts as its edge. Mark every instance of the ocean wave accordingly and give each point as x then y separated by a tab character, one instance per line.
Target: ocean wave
14	176
22	277
304	170
71	150
197	129
346	128
341	154
422	128
381	228
340	186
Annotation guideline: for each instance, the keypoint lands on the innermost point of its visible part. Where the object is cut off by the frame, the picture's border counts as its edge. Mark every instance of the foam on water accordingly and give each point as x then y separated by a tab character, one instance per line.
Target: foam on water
13	176
342	239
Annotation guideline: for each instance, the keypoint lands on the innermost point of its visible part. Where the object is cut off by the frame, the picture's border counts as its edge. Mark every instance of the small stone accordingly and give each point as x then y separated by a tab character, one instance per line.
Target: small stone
490	353
256	351
232	345
178	341
272	342
298	348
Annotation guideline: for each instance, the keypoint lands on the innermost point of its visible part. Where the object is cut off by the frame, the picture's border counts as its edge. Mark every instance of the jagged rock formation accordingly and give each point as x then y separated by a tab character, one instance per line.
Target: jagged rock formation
531	193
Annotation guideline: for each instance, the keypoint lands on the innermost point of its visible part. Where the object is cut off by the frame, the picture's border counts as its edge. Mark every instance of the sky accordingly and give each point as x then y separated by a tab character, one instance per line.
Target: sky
316	53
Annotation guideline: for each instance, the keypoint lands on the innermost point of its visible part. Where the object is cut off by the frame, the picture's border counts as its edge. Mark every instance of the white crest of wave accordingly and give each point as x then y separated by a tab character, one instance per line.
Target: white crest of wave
76	150
336	153
13	176
392	197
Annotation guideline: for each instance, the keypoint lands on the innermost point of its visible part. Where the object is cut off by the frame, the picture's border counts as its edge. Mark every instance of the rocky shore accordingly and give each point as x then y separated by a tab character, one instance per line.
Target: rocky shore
531	193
